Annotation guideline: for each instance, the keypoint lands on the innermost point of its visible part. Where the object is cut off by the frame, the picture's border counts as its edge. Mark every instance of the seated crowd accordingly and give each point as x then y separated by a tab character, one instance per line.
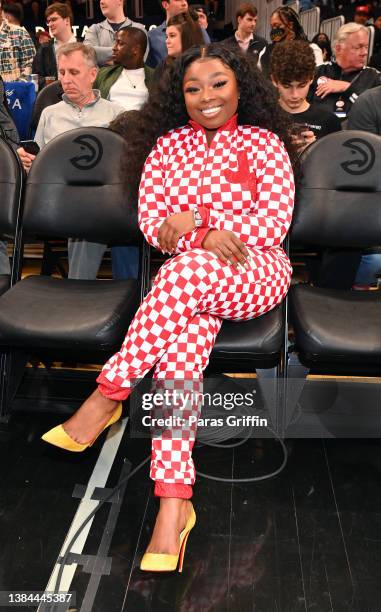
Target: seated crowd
323	86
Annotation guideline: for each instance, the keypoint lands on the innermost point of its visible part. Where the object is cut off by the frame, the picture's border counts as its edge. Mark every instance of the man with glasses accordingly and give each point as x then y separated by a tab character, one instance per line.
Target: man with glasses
16	50
338	84
59	19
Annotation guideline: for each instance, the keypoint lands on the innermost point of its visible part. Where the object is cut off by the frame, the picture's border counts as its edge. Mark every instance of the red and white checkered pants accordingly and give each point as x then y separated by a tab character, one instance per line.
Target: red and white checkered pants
175	329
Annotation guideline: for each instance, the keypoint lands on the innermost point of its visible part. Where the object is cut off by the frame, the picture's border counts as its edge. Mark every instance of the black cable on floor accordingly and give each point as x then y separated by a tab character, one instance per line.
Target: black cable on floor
216	441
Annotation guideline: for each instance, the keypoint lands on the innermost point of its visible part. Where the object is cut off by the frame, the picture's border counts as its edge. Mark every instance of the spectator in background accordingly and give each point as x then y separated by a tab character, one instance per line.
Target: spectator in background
322	41
361	15
59	19
81	106
338	83
14	14
245	37
16	50
292	72
127	83
101	36
285	25
157	36
182	32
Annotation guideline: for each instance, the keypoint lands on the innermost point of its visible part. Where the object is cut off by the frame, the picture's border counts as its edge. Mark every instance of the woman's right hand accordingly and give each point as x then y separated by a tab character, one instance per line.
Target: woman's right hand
227	246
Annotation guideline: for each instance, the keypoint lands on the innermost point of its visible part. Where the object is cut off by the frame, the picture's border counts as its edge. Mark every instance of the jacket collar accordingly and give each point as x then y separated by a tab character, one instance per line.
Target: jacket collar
97	95
229	126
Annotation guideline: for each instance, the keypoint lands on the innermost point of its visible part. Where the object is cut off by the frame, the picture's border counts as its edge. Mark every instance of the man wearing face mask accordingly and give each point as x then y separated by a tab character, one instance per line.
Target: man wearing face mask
338	84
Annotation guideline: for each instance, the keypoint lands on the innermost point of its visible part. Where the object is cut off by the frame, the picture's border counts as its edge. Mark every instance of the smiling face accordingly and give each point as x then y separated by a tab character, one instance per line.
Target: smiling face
210	93
173	41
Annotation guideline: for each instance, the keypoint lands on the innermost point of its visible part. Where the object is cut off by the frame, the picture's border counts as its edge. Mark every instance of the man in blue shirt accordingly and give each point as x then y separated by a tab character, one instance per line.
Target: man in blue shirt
156	36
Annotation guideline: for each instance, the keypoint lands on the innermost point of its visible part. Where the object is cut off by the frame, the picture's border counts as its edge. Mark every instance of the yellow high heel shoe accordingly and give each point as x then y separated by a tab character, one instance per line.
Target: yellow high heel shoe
58	436
160	562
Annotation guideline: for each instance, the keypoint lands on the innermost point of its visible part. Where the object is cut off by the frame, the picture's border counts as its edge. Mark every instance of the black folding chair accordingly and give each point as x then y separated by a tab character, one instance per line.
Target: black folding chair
337	332
74	189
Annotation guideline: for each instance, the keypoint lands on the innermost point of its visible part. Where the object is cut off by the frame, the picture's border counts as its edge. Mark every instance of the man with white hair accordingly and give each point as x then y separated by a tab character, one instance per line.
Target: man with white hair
338	84
81	106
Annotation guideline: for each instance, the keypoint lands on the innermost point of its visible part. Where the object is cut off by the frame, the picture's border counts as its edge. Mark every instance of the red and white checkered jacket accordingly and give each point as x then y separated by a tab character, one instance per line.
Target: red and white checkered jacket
243	183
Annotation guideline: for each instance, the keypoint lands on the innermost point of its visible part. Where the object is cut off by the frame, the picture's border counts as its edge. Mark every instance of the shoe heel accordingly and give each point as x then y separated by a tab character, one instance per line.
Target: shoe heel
182	553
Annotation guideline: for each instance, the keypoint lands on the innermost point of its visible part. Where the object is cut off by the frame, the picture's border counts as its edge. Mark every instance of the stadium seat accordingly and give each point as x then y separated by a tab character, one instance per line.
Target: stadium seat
337	332
11	184
74	189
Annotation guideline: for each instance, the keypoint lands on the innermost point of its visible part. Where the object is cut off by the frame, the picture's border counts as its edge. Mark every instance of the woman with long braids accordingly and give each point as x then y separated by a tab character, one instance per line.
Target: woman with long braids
216	192
285	25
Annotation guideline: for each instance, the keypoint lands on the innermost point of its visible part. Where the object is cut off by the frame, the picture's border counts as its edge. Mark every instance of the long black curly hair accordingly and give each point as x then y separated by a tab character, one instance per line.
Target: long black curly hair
165	108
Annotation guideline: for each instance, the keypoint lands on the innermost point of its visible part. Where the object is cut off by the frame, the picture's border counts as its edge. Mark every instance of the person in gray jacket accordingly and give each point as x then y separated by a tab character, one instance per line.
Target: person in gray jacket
101	36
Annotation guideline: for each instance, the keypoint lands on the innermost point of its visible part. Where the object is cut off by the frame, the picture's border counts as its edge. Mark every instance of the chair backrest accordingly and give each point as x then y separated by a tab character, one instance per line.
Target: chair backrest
339	199
21	97
76	189
50	94
10	189
310	21
330	26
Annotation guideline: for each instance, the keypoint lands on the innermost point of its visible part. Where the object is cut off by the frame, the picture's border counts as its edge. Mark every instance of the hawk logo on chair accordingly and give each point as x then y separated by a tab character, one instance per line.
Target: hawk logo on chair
365	156
93	152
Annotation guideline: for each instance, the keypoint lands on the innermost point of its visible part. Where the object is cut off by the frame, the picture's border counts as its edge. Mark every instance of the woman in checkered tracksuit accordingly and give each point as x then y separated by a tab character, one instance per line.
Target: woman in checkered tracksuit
216	192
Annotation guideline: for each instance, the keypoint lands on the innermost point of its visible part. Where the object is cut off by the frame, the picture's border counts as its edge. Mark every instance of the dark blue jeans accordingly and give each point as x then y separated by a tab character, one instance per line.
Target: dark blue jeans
125	262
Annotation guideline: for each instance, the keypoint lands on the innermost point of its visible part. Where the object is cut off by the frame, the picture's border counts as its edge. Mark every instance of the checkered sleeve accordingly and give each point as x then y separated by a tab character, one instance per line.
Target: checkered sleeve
152	206
268	224
26	51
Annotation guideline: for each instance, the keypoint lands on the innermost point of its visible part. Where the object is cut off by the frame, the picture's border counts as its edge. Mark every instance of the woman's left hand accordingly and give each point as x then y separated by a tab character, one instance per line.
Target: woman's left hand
173	228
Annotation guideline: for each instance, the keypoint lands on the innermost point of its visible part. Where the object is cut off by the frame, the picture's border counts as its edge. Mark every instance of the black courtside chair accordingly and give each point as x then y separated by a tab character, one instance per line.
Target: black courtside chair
11	186
337	332
74	189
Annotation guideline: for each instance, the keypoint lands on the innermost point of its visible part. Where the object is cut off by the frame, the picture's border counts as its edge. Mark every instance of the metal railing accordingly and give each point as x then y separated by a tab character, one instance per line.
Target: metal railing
310	21
330	26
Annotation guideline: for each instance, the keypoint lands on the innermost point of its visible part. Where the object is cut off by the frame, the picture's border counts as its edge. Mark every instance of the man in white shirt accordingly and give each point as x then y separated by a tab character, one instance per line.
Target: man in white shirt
81	106
101	36
128	80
